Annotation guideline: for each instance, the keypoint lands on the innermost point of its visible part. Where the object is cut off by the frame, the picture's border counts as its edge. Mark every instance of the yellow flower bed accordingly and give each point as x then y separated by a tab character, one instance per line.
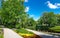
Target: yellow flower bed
26	34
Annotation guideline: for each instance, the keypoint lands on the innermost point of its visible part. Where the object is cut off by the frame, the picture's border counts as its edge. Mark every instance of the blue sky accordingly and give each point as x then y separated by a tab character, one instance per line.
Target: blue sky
35	8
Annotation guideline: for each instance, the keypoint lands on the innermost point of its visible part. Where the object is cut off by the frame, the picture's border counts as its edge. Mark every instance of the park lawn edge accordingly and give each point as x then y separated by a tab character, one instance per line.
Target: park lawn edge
1	33
25	32
55	29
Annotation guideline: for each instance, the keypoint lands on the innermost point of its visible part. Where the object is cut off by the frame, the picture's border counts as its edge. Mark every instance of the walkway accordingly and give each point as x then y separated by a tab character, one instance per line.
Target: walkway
8	33
43	35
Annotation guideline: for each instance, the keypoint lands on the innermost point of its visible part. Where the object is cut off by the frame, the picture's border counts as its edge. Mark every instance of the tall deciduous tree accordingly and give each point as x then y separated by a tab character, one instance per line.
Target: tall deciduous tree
12	12
48	19
58	19
31	23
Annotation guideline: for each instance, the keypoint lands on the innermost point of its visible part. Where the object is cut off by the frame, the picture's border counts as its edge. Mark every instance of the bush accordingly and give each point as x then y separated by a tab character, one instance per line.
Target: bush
55	29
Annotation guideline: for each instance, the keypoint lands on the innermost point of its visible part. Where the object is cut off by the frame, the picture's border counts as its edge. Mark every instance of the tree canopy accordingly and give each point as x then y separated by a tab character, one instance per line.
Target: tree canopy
48	19
12	12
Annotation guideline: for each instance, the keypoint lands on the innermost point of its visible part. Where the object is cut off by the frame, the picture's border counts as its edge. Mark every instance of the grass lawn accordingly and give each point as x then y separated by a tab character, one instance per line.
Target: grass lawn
1	33
27	34
55	29
24	32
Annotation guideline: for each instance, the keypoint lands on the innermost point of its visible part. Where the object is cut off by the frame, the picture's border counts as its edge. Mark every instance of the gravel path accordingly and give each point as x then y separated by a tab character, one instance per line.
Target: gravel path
43	35
8	33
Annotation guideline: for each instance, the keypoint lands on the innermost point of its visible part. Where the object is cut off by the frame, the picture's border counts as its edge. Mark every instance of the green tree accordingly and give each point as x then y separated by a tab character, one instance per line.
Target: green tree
58	19
31	23
48	19
24	20
12	12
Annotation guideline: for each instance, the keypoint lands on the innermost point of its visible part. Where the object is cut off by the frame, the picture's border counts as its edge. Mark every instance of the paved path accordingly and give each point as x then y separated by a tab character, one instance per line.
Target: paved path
8	33
43	35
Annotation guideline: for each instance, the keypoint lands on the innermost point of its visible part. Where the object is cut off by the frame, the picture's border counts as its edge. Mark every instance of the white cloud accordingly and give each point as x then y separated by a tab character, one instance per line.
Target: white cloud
26	9
58	4
53	6
32	15
26	0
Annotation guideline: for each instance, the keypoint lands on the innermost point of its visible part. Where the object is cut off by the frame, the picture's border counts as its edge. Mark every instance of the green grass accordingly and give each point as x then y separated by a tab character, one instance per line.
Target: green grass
55	29
24	32
1	33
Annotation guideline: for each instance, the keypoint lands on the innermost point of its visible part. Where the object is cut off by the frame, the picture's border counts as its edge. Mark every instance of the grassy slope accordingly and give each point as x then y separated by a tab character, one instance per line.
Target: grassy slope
55	29
23	32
